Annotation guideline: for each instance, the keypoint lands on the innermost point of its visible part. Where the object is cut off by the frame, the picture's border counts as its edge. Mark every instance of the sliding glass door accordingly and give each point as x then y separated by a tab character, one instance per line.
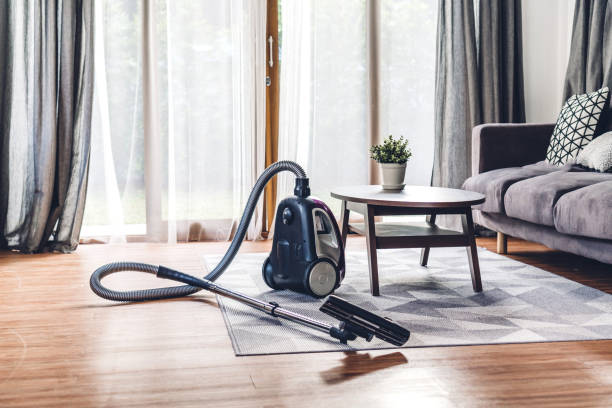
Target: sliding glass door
115	203
406	79
183	121
179	122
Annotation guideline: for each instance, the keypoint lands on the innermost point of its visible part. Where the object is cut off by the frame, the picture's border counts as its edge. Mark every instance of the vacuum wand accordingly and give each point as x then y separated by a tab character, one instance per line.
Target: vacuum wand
354	321
269	307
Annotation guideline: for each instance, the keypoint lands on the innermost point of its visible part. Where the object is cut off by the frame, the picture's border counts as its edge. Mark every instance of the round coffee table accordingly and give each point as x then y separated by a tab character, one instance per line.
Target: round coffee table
372	201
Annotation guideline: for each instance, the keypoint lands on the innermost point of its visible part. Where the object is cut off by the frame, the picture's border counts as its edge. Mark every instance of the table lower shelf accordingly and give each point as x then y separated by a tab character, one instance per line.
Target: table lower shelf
413	235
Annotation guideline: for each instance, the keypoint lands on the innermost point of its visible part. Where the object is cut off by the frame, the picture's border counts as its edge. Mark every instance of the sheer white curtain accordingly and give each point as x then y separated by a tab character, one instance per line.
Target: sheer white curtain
190	159
115	192
325	84
296	78
323	121
407	50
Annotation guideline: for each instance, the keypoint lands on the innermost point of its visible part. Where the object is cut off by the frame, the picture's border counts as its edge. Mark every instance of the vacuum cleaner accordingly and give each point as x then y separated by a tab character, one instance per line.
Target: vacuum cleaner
307	256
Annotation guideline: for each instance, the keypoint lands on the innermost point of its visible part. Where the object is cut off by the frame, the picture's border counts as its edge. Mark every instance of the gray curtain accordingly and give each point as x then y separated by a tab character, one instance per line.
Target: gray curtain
457	107
479	78
500	62
46	89
590	61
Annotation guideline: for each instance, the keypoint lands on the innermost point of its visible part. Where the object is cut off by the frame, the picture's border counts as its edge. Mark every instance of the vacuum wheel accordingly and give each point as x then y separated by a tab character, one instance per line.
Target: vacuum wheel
267	272
322	277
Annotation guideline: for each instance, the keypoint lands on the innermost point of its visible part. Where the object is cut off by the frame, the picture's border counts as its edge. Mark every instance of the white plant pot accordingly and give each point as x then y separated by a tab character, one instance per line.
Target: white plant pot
393	175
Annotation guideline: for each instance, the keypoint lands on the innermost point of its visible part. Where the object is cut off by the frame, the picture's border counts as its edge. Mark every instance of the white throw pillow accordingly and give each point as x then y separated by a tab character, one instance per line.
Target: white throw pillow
597	154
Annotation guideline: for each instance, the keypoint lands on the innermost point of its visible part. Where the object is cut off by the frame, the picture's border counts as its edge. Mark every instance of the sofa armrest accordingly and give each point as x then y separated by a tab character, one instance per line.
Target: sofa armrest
500	145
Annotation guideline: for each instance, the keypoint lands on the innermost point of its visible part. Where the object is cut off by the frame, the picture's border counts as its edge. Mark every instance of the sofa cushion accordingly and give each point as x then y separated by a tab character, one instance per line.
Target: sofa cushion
586	212
534	199
493	184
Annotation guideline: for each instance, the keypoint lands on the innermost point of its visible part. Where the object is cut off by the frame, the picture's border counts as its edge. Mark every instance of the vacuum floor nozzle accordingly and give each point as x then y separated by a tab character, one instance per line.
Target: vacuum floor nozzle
356	321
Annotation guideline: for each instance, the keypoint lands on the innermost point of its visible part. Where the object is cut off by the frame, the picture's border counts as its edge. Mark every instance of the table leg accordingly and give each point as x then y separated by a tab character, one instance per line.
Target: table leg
344	221
431	219
472	251
370	230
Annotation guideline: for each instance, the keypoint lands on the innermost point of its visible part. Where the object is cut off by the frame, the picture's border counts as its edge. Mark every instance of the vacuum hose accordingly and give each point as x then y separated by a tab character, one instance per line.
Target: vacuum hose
185	290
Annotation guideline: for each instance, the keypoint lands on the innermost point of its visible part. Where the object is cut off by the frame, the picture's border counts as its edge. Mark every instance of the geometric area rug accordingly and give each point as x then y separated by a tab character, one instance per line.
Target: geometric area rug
519	303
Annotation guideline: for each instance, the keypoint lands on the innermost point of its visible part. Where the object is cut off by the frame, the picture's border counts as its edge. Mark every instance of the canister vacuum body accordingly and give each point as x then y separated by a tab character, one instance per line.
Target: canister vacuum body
307	253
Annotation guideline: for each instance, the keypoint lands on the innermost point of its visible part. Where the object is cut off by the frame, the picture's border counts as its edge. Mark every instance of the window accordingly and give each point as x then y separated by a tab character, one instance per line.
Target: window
178	132
407	79
179	113
338	55
116	190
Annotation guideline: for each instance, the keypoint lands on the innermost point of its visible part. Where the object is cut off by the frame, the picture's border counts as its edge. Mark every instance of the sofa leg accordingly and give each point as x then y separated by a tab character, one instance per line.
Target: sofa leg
502	243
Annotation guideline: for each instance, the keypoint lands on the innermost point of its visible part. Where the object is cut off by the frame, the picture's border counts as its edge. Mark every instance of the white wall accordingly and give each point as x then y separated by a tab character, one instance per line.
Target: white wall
547	29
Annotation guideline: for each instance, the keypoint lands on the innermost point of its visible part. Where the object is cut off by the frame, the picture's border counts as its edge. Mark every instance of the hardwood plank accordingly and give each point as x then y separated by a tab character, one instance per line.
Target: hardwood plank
61	346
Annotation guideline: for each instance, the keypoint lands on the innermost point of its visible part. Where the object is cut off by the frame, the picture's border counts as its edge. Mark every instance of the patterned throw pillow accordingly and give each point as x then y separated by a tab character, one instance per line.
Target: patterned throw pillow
575	126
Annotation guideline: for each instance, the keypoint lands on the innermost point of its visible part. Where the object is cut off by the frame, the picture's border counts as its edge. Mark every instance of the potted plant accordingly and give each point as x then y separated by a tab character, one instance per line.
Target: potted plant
392	156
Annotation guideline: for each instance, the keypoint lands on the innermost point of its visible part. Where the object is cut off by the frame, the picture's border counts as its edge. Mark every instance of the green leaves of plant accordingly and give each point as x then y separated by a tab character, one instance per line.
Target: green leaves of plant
391	151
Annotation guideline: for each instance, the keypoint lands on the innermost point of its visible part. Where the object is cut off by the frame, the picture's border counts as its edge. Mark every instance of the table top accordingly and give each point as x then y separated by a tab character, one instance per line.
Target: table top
410	196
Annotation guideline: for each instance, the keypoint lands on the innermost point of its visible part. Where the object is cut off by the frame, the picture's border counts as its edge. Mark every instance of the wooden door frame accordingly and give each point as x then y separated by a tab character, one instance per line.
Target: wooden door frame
272	108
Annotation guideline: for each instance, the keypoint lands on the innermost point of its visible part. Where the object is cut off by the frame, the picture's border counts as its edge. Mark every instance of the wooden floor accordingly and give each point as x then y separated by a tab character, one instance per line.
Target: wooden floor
62	346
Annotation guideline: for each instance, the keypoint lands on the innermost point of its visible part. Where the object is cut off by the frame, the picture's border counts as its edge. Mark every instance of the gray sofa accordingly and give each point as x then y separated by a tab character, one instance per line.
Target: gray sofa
566	208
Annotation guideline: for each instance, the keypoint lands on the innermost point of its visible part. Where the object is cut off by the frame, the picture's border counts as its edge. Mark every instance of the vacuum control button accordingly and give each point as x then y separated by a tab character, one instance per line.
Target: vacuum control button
287	216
